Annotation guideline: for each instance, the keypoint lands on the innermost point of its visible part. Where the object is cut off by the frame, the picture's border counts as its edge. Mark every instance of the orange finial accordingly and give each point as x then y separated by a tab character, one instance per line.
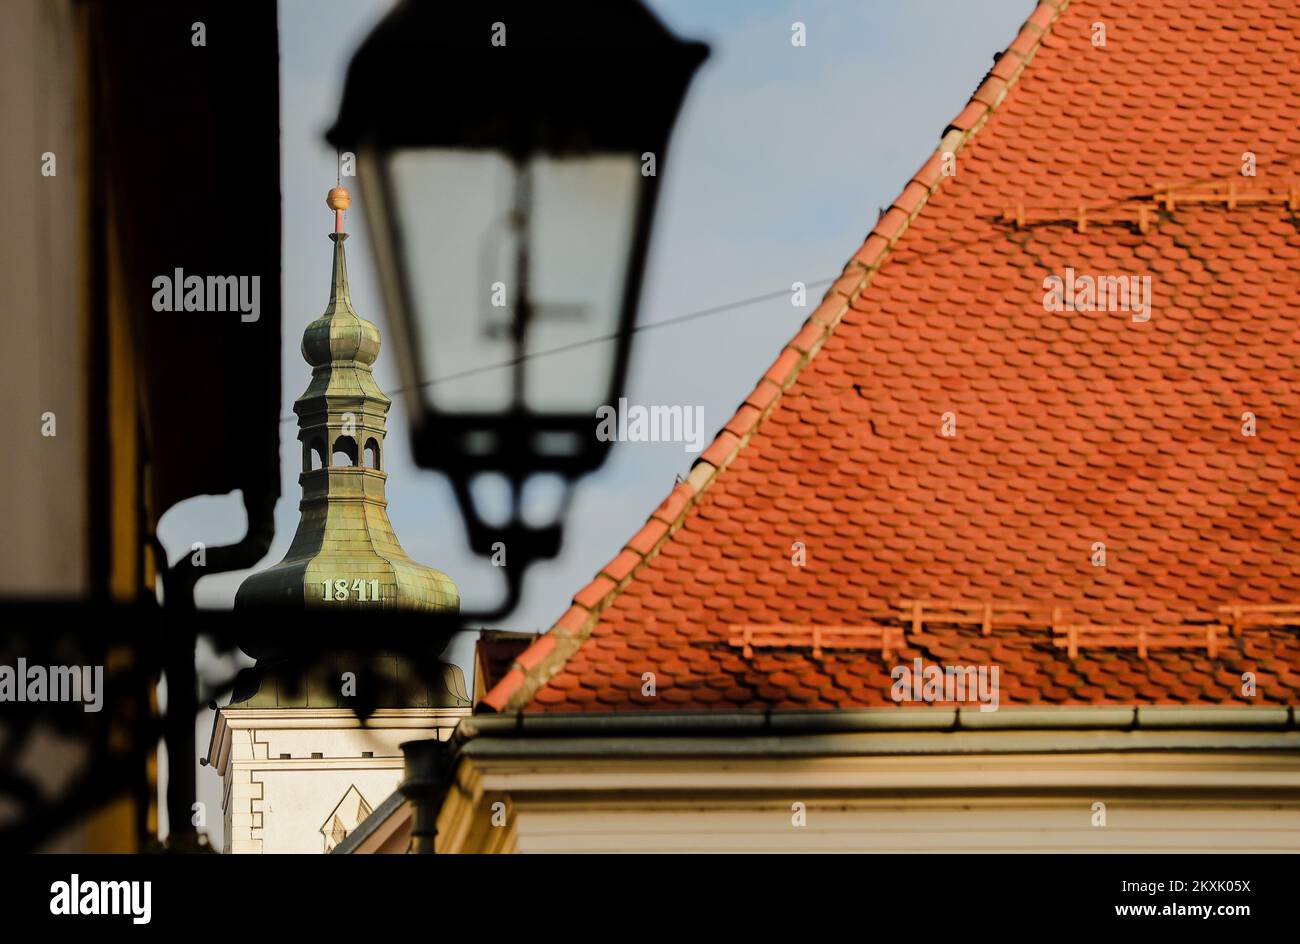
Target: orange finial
338	200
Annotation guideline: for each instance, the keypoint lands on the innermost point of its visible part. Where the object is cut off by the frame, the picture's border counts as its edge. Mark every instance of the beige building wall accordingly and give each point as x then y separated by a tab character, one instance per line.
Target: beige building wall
1205	801
900	825
43	254
49	318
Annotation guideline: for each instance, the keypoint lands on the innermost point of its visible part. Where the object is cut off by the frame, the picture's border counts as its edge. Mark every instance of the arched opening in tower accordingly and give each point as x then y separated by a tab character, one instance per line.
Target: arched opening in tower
345	452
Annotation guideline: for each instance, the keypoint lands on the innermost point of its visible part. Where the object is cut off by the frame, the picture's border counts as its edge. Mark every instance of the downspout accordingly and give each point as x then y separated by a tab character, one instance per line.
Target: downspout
428	773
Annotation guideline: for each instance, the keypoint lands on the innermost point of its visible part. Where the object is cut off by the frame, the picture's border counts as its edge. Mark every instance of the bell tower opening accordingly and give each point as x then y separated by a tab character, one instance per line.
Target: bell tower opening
345	452
313	456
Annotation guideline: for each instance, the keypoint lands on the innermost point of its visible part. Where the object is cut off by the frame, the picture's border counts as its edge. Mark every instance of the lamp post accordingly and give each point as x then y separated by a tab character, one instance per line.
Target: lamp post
509	158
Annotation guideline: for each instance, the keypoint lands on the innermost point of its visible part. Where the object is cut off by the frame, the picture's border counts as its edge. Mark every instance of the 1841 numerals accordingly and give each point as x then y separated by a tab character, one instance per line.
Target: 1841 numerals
363	591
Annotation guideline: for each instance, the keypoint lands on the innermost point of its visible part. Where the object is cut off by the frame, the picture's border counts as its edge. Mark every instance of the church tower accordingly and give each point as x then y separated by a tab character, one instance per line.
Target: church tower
299	770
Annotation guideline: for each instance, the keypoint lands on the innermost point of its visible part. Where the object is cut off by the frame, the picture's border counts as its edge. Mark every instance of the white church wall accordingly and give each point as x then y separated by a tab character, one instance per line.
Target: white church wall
286	769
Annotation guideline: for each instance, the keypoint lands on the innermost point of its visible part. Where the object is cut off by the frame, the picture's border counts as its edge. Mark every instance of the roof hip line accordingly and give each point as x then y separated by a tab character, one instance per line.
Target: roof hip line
548	655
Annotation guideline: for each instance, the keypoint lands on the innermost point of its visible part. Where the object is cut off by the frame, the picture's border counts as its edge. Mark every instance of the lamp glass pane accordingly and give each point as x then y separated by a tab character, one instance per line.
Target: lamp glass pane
459	214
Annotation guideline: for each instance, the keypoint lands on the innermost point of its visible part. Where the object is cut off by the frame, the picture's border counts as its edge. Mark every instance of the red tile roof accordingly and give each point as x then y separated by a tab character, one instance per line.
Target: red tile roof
1071	428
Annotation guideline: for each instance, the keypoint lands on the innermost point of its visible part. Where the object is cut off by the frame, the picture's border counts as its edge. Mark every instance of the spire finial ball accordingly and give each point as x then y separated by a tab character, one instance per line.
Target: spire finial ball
338	198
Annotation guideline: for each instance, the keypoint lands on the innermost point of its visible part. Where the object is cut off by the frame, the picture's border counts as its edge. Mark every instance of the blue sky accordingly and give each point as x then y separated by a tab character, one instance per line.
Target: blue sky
780	162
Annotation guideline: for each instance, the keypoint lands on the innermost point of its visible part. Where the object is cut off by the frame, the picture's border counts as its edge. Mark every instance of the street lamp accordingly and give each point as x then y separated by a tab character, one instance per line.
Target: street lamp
508	156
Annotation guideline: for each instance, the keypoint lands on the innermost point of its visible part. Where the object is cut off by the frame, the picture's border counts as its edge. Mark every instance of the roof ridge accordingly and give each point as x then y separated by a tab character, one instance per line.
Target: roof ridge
553	649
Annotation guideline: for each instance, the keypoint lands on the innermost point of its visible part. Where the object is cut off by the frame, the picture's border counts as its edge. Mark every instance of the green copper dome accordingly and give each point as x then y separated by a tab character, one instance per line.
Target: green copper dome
345	553
340	334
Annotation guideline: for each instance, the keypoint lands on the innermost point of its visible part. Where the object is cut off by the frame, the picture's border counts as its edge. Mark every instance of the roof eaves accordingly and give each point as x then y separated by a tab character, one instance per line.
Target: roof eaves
767	723
548	655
